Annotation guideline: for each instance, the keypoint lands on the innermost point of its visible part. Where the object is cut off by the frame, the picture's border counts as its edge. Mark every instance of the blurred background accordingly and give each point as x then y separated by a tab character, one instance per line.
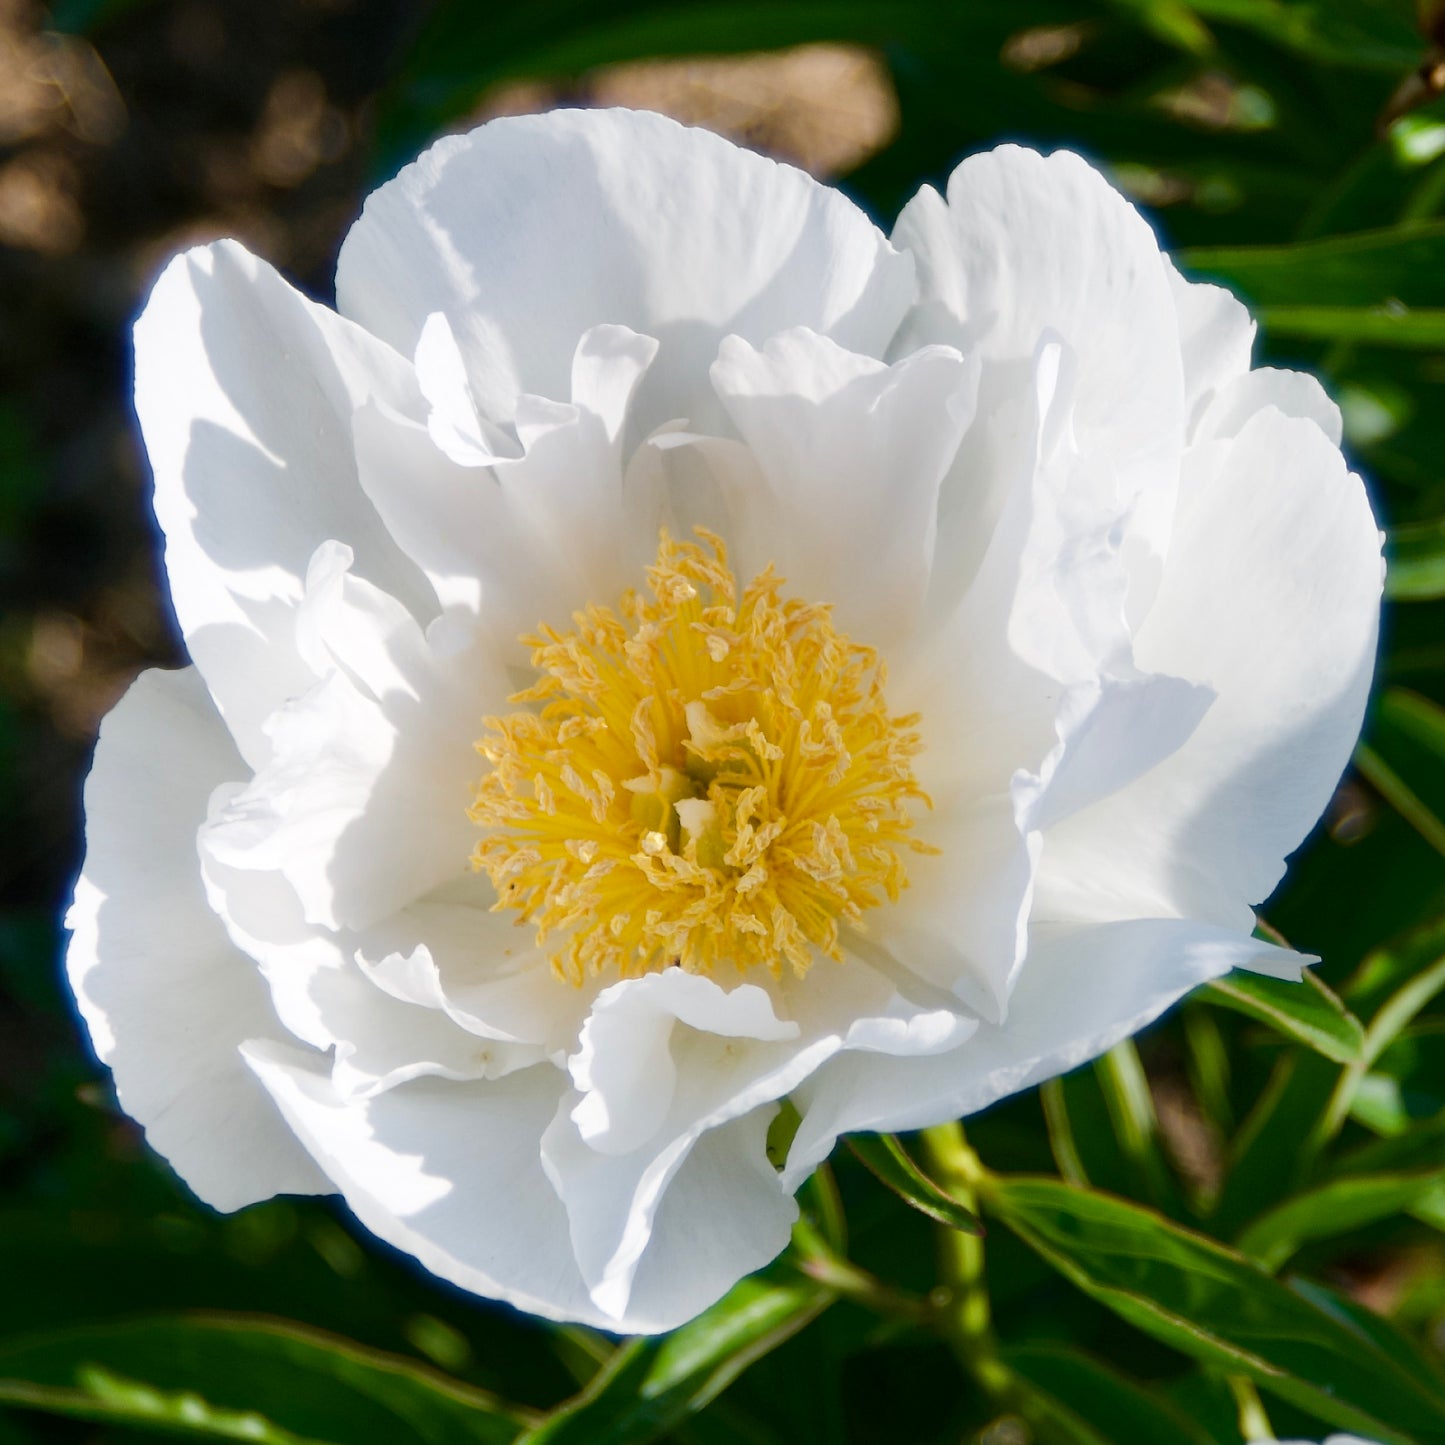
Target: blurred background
1294	150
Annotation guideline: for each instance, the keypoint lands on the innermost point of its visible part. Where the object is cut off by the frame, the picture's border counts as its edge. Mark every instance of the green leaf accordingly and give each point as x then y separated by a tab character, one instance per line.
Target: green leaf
1214	1305
887	1159
1416	558
210	1369
1308	1012
1116	1407
1368	268
1407	738
1343	32
1367	325
114	1400
1335	1208
651	1386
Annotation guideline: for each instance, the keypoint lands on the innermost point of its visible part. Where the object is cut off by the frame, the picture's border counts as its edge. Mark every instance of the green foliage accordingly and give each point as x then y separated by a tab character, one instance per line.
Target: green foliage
1244	1218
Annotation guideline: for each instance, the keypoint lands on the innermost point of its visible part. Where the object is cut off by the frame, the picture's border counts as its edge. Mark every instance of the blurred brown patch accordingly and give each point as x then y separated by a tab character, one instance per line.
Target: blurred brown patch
826	108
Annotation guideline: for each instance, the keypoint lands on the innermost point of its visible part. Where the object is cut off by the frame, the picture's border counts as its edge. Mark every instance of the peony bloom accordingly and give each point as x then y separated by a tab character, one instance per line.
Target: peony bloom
662	648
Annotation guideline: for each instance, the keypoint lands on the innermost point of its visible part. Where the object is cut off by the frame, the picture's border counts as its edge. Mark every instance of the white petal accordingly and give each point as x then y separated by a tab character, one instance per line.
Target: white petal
1027	243
453	421
663	1060
1080	991
245	392
851	454
167	998
363	807
1216	334
705	1198
449	1172
1271	597
1292	392
624	1066
480	968
531	230
536	536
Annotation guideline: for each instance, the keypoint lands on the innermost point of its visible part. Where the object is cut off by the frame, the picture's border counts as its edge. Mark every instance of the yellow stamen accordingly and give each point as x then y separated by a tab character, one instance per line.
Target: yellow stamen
702	779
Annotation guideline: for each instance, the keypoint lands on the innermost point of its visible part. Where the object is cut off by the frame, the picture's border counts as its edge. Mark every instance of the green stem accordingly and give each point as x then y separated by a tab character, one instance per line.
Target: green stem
964	1315
1253	1422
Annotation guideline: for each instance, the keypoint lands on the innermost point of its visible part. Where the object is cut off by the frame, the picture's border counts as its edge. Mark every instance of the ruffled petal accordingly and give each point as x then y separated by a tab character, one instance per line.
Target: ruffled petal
1271	598
532	230
449	1172
167	997
1081	991
851	454
1216	337
245	392
663	1060
531	537
363	806
1027	244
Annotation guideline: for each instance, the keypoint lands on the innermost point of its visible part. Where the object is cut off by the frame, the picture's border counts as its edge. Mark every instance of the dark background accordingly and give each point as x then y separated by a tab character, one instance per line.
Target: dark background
131	128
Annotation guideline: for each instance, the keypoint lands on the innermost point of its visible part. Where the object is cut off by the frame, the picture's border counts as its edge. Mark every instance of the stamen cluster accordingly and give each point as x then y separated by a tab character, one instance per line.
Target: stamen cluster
698	779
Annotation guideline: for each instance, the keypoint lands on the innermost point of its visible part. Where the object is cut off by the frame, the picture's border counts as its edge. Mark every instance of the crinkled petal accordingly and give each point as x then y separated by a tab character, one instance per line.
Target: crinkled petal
1271	598
245	392
167	997
1080	992
1216	336
530	231
449	1172
1027	244
663	1060
1292	392
363	807
851	454
533	537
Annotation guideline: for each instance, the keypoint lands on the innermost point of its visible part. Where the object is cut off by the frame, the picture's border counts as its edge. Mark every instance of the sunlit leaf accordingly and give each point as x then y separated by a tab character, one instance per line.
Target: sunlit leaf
300	1383
649	1387
1213	1304
889	1161
1308	1012
1333	1209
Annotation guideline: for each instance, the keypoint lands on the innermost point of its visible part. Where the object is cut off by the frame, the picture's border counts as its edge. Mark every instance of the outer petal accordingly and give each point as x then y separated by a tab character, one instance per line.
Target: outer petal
531	230
167	997
245	392
449	1172
1081	991
1216	334
1027	244
1271	597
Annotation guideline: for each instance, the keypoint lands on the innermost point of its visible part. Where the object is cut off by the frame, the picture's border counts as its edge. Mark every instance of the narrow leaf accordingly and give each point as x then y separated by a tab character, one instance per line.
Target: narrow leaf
886	1158
111	1400
1214	1305
1416	555
1333	1209
1307	1012
1115	1406
649	1387
300	1382
1395	326
1365	269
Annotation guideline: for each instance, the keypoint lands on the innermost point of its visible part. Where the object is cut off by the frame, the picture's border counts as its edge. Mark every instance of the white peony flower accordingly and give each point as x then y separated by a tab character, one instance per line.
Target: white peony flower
661	648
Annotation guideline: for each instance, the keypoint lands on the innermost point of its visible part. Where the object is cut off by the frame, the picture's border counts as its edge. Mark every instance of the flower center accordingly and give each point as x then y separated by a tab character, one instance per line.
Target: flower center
702	779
